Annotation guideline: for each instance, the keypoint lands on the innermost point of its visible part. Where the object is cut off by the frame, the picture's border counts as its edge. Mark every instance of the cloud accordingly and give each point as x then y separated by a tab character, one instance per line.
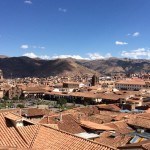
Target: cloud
32	55
136	34
28	2
37	47
44	57
62	10
138	53
41	47
120	43
68	56
24	46
93	56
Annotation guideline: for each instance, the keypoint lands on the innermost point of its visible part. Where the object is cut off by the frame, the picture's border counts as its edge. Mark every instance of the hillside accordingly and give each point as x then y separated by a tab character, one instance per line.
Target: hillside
107	66
25	67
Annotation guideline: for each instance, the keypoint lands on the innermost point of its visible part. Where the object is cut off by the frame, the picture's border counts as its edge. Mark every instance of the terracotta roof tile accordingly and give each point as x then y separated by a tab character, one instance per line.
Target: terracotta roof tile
115	142
67	123
120	127
9	136
144	145
12	116
98	118
28	132
111	107
141	120
96	126
42	137
57	140
31	112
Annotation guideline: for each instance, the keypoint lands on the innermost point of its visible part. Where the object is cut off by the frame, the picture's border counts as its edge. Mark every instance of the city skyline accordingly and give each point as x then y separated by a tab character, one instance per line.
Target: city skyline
81	29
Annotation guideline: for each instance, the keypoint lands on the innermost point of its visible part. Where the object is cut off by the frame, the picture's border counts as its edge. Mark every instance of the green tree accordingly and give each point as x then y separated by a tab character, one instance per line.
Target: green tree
5	97
61	102
15	98
20	106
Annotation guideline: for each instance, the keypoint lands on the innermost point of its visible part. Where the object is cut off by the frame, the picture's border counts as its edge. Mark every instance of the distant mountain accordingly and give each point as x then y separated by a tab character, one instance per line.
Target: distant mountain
27	67
3	56
125	65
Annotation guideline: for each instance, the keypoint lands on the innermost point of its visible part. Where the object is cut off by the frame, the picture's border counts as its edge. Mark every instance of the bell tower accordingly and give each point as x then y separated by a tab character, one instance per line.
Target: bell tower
1	75
1	84
95	80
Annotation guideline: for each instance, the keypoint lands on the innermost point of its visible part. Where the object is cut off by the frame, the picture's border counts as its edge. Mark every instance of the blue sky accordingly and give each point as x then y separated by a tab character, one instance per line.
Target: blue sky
89	29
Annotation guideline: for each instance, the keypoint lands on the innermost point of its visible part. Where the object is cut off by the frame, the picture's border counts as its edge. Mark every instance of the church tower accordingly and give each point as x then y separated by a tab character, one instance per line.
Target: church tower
1	84
95	80
1	75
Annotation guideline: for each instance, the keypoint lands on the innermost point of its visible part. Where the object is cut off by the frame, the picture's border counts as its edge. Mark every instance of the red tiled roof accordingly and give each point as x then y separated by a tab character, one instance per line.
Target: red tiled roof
52	139
120	127
68	123
111	107
98	118
141	120
95	126
28	132
13	117
133	82
115	142
144	145
9	136
30	112
13	110
43	137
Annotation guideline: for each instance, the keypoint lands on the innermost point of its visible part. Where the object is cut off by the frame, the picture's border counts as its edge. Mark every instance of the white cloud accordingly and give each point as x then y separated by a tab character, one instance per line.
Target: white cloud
31	55
93	56
24	46
120	43
136	34
28	2
44	57
41	47
128	34
138	53
37	47
108	55
68	56
62	10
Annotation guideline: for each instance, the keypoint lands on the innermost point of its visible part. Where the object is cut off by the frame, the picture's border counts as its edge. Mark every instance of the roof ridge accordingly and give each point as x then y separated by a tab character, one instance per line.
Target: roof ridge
38	128
80	137
21	135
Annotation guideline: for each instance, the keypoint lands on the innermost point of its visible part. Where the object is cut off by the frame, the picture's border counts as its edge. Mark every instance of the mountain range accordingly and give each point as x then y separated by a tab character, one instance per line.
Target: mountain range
16	67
